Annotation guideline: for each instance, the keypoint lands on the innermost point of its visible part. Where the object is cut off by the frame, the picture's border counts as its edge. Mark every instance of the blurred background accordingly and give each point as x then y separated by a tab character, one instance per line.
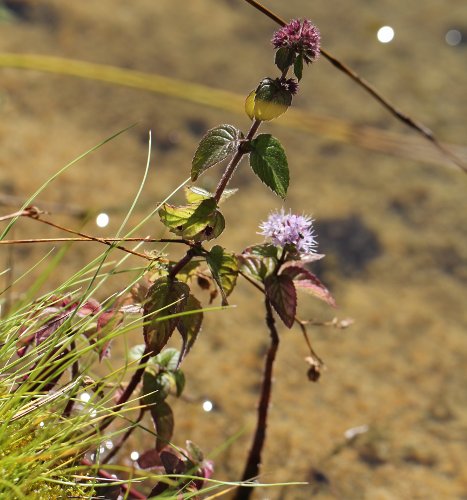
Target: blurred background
389	211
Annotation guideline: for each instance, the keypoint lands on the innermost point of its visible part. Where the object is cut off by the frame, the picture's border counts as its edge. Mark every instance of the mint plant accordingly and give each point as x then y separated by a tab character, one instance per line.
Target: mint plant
51	335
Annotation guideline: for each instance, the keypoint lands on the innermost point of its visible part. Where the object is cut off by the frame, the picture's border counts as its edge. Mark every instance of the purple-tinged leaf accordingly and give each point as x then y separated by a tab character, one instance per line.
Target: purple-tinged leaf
280	290
172	463
308	282
89	308
165	297
163	419
189	326
252	266
149	459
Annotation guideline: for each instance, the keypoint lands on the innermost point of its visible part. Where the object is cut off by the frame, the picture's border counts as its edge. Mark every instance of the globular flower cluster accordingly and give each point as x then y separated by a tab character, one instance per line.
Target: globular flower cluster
288	84
290	229
301	36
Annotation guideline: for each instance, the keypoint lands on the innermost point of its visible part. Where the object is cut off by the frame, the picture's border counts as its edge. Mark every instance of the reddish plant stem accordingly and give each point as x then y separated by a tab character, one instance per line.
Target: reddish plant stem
74	375
253	463
125	396
229	171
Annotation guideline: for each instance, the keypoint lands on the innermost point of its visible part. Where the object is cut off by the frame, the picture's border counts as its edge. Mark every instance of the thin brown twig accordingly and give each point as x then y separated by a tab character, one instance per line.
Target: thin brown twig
398	114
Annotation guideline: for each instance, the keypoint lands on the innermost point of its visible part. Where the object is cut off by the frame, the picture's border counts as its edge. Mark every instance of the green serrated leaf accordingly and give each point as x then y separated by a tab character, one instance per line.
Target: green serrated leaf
163	419
298	67
219	143
197	221
280	290
190	325
269	162
165	297
284	58
224	269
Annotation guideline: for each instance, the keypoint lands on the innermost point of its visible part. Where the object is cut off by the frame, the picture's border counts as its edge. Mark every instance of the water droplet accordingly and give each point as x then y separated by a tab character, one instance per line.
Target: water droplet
134	455
85	397
102	220
385	34
207	406
453	37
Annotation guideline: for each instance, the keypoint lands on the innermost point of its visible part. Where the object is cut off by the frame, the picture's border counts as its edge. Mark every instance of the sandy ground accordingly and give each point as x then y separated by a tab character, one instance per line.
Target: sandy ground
393	228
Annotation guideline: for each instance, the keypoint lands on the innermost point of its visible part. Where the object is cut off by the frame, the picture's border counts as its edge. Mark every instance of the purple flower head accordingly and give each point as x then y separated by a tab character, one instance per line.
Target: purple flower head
301	36
288	84
290	229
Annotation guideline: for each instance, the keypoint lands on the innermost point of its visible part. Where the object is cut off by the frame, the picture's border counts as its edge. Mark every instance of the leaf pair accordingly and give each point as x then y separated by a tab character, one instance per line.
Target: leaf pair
267	158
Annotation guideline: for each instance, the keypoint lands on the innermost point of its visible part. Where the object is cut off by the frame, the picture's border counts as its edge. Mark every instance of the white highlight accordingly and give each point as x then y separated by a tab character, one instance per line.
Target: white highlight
85	397
453	37
109	444
102	220
207	406
134	455
355	431
385	34
41	424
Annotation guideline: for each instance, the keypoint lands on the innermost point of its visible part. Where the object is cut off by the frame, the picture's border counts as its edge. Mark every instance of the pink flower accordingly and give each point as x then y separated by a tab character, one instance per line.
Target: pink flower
290	229
303	37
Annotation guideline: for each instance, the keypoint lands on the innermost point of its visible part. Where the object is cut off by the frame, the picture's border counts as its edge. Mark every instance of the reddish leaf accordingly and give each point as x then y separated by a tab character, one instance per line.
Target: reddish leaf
149	459
90	307
308	282
280	290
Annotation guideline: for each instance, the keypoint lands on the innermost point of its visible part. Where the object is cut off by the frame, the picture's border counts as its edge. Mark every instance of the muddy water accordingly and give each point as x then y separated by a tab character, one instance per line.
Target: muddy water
393	228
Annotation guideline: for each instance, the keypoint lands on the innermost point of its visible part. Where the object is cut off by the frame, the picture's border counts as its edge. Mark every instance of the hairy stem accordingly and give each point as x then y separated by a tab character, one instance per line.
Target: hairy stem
253	463
229	171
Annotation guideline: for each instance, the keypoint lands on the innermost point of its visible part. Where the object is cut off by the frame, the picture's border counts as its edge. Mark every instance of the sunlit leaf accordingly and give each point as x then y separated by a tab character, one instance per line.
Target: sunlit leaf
224	269
195	194
280	290
269	163
215	146
197	221
165	297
